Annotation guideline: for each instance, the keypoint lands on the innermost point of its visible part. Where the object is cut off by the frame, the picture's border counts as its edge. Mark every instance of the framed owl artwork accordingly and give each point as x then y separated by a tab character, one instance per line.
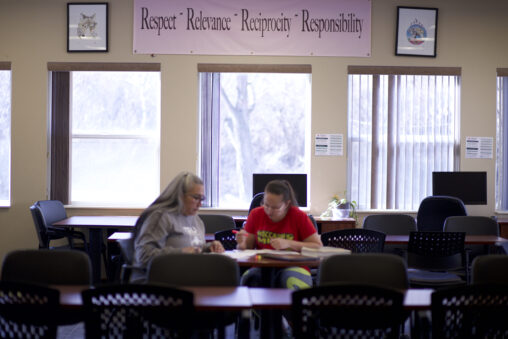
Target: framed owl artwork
87	27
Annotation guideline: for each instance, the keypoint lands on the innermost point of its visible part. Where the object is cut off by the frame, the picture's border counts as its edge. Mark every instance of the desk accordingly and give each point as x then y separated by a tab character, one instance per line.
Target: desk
127	235
470	239
95	225
205	298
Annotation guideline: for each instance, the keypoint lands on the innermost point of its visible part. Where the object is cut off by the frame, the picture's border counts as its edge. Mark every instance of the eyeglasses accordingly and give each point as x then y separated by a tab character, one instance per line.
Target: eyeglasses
197	197
277	208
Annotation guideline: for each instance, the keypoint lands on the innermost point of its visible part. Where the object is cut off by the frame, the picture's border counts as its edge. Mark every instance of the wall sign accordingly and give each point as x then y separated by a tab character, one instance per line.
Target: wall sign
261	27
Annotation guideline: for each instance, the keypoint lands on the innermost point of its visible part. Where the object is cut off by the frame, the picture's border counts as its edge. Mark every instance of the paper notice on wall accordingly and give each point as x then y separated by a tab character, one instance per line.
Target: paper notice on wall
479	147
329	144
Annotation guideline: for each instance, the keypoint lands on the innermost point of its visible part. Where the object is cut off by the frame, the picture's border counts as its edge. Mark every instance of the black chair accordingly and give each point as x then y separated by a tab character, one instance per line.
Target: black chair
490	269
62	267
474	225
358	240
46	267
44	214
227	239
256	201
475	311
434	210
391	224
128	265
27	310
217	222
180	269
431	257
383	270
347	311
138	311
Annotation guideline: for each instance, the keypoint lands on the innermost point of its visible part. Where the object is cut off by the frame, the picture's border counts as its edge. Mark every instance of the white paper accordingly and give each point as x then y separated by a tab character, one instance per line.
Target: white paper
329	144
479	147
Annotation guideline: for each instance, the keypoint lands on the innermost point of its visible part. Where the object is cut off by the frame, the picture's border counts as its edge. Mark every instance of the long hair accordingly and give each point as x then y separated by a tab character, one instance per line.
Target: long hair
172	196
282	187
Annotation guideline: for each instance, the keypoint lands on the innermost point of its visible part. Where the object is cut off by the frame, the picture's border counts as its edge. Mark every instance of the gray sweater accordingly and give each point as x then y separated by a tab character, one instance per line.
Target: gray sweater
164	232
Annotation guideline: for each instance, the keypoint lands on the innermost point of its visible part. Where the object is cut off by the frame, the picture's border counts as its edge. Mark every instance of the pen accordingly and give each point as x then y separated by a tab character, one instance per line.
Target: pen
235	231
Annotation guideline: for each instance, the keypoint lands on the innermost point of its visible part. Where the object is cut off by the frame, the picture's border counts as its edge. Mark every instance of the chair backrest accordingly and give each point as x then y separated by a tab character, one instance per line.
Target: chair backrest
137	311
40	228
436	250
358	240
475	311
127	249
227	239
396	224
384	270
217	222
472	225
61	267
28	310
52	211
181	269
490	269
434	210
356	310
256	201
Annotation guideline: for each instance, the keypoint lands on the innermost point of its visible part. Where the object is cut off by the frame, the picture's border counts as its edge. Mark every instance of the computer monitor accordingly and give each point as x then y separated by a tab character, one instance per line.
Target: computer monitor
297	181
470	187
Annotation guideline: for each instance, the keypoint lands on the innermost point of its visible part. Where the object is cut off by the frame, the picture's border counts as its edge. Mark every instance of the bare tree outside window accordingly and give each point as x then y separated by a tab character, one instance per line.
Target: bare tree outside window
264	128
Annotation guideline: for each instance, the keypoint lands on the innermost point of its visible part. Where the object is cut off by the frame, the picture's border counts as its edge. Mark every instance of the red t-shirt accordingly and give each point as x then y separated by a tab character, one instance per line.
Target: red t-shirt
296	225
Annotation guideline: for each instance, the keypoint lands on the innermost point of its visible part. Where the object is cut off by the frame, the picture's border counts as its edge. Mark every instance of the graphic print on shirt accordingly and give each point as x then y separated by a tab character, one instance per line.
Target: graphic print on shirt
264	237
193	235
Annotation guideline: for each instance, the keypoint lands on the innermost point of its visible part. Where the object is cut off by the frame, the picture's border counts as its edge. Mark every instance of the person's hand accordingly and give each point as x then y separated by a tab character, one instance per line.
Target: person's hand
241	240
279	243
216	247
191	249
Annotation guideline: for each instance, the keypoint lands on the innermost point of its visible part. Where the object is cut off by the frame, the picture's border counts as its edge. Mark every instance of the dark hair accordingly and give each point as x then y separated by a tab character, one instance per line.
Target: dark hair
282	187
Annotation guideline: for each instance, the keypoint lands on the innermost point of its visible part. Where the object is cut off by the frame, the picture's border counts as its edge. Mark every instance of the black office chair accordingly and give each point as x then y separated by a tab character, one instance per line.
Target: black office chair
433	259
138	311
27	310
475	311
256	201
44	214
180	269
46	267
358	240
434	210
383	270
391	224
474	225
352	311
217	222
128	266
63	267
490	269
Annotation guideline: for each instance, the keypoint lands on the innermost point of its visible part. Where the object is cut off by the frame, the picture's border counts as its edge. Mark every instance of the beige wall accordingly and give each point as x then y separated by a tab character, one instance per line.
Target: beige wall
472	34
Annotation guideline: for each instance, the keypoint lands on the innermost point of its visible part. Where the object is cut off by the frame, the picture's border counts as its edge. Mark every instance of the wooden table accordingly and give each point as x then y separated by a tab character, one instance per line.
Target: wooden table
470	239
96	225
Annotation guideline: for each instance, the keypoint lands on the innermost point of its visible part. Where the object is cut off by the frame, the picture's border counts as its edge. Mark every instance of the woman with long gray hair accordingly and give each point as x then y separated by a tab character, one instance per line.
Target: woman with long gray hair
171	224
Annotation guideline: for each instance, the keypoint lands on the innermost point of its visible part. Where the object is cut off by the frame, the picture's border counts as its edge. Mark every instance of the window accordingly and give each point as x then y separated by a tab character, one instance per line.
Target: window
502	140
254	119
403	124
112	127
5	134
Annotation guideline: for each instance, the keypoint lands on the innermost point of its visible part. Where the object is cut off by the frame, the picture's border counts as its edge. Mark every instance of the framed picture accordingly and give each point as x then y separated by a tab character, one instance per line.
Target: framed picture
416	31
87	27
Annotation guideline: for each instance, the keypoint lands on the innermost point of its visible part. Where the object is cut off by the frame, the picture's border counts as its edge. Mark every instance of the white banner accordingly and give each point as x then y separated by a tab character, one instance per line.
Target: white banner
254	27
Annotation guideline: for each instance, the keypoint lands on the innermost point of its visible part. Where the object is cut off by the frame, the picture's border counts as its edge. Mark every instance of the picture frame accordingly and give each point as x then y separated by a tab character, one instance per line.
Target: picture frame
87	27
416	31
